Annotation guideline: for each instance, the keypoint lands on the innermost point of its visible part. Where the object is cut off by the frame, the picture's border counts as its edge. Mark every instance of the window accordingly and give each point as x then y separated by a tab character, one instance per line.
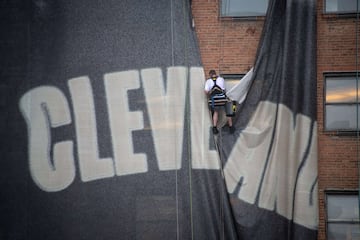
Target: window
342	102
342	6
243	8
231	80
342	211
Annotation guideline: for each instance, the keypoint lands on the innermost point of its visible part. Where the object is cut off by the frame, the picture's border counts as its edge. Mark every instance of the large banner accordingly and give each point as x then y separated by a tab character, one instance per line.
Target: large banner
271	165
106	132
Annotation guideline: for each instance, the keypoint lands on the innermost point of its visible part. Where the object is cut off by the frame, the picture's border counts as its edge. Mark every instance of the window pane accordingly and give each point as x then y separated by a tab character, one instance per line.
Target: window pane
342	207
341	117
340	6
341	90
243	8
231	81
341	231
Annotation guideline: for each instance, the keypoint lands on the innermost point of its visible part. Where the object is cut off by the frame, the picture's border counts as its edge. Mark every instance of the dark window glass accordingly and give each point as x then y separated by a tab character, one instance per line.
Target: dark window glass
340	231
342	216
341	117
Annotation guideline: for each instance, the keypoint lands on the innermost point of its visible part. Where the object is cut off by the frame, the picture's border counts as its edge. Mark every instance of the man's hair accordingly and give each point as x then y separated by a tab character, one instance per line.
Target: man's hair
212	72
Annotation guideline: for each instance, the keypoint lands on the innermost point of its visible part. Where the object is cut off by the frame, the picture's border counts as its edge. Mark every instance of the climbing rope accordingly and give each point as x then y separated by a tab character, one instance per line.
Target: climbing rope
188	123
217	143
175	156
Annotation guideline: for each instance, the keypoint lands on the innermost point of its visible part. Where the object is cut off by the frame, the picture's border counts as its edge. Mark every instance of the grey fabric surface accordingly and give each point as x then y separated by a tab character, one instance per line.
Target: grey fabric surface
80	83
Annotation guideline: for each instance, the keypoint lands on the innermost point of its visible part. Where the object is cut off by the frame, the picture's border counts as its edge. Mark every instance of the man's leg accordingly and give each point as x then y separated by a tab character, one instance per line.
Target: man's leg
230	123
215	117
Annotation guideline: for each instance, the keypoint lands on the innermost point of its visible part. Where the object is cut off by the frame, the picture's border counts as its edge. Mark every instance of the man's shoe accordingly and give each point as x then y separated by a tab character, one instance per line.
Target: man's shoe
215	130
232	129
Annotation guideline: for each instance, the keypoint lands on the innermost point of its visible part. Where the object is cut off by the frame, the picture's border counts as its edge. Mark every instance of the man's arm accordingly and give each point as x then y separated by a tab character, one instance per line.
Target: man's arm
221	83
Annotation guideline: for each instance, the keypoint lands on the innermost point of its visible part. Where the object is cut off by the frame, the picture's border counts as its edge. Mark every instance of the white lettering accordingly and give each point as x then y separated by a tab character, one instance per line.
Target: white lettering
123	122
251	158
246	159
202	156
91	166
166	111
306	195
44	108
276	165
288	152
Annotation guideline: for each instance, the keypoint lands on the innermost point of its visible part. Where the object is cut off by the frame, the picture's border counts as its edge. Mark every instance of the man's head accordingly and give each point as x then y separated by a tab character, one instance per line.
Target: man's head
212	73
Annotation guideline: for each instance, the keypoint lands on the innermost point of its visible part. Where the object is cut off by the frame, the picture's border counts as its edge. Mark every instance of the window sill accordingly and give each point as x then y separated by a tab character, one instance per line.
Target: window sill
342	133
331	15
243	18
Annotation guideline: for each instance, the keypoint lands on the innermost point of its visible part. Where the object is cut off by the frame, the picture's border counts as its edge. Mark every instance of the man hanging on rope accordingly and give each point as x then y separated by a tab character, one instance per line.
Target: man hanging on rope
215	90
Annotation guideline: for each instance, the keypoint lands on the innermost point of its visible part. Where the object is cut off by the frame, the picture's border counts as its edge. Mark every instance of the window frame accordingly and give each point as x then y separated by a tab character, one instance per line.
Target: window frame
244	17
326	75
232	76
342	192
344	13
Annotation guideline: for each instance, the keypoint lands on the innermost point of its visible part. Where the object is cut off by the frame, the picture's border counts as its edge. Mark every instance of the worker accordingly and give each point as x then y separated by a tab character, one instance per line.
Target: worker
215	91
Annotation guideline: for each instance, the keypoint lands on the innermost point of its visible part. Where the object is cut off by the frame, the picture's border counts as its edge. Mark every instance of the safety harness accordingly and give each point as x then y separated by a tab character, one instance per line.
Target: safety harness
217	96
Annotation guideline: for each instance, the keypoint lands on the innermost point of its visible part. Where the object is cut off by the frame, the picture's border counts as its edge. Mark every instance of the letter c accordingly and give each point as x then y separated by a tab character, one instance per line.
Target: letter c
44	108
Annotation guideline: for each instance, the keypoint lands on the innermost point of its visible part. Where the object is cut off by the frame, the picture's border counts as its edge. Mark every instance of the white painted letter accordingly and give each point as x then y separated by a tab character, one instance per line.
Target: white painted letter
166	111
201	155
248	156
268	158
44	108
123	122
289	151
91	166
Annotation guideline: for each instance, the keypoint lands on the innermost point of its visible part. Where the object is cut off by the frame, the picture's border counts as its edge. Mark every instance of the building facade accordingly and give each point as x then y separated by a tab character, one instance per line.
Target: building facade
228	42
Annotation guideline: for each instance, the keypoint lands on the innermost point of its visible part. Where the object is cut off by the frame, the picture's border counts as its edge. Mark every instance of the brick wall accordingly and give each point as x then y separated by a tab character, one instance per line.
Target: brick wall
336	52
229	46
